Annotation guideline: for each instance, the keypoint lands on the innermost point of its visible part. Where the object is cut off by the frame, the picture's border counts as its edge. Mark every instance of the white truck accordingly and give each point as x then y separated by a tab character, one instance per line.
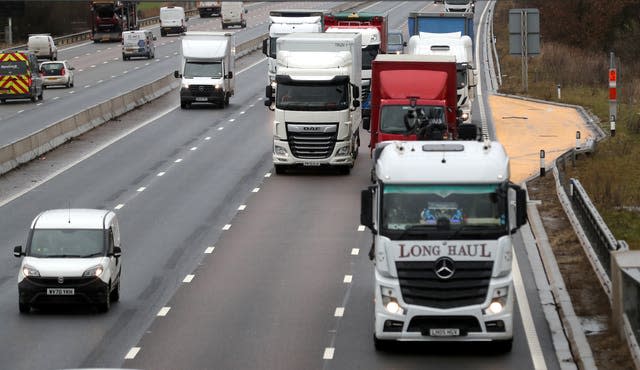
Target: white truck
206	67
286	21
443	214
459	46
317	107
465	6
172	20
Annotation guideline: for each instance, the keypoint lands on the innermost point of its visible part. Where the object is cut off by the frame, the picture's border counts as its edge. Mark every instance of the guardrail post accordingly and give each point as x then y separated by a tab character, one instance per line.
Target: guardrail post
542	167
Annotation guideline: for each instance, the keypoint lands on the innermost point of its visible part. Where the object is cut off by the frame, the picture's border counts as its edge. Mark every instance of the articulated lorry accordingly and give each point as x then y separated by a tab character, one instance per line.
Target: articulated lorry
317	108
459	46
414	97
206	68
208	8
110	18
441	23
443	215
374	30
286	21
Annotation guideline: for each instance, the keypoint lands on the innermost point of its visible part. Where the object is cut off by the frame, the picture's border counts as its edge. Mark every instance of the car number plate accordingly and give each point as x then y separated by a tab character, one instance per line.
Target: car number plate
311	164
444	332
60	291
202	99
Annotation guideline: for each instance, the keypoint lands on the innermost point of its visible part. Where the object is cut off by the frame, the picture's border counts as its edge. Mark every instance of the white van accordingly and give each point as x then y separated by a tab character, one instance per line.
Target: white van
43	46
138	44
172	20
232	14
71	256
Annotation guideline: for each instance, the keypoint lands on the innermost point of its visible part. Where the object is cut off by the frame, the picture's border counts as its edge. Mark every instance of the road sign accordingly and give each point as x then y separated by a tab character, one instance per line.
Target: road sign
524	31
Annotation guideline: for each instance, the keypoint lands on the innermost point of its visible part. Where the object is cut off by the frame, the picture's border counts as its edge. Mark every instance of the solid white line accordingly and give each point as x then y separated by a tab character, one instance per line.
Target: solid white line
209	250
339	312
160	174
226	227
164	311
355	251
132	353
118	206
242	207
328	353
188	278
347	279
527	320
361	228
141	189
255	190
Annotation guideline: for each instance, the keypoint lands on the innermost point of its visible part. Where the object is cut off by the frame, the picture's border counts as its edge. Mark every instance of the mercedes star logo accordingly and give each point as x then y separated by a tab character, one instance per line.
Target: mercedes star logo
60	279
444	268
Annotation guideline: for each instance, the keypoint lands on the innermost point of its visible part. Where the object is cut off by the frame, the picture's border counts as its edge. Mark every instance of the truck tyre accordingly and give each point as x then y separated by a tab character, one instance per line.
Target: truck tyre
279	169
24	307
163	33
503	346
3	101
183	105
244	24
380	344
226	100
344	170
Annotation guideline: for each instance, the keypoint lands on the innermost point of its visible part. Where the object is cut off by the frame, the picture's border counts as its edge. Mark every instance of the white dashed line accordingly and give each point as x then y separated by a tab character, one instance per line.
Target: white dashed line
20	111
209	250
220	128
93	66
56	97
87	86
178	160
193	148
72	92
355	251
361	228
76	57
268	174
146	64
125	72
132	353
164	311
328	353
242	112
100	81
188	278
141	189
118	206
255	190
226	227
242	207
160	174
232	119
339	312
251	105
105	62
208	138
347	279
39	104
113	76
136	68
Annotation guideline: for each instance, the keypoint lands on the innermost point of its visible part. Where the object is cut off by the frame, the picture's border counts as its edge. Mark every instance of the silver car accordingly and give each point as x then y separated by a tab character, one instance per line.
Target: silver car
58	73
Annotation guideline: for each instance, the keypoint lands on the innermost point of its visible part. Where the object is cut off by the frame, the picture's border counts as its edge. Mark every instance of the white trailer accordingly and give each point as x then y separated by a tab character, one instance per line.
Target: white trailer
286	21
317	107
453	43
443	214
206	67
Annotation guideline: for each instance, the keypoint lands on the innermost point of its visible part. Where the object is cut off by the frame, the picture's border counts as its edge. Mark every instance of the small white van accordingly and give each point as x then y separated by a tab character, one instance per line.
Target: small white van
172	20
138	43
232	14
71	256
43	46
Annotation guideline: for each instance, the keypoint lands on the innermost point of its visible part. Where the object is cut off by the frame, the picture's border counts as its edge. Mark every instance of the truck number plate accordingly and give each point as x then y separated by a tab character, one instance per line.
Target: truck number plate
60	291
199	98
311	164
444	332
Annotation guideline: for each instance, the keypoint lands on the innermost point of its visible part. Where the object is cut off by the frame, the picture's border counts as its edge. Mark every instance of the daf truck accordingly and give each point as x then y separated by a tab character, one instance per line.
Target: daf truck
460	46
317	107
206	67
285	21
443	216
441	23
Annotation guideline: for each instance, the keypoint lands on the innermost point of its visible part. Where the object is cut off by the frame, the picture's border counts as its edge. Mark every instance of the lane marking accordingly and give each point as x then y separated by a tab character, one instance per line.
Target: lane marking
178	160
268	174
164	311
255	190
226	227
193	148
361	228
328	353
242	207
160	174
347	279
527	319
232	119
141	189
188	278
220	128
209	250
242	112
118	206
339	312
132	353
207	138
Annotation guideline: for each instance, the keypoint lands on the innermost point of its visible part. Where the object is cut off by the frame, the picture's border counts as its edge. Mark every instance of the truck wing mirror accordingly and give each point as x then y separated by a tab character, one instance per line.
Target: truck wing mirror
356	103
186	19
17	251
356	91
366	208
246	11
521	207
268	92
176	74
117	252
155	38
264	47
230	75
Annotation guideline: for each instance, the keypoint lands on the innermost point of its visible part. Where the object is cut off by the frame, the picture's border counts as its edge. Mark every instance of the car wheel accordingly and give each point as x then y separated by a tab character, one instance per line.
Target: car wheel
68	84
71	84
106	304
41	96
24	307
33	98
115	293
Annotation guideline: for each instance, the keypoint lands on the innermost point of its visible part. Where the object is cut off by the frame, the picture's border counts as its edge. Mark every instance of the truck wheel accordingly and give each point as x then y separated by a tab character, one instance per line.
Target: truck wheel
185	105
24	307
380	344
163	33
280	169
244	24
503	346
344	170
226	100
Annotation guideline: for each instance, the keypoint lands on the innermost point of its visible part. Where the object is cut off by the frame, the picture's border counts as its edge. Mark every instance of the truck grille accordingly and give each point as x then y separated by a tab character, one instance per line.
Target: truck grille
468	285
201	90
312	140
366	89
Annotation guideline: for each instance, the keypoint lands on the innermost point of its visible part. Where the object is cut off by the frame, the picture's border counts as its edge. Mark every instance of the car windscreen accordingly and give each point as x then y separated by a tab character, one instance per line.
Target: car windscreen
52	69
395	39
13	68
71	243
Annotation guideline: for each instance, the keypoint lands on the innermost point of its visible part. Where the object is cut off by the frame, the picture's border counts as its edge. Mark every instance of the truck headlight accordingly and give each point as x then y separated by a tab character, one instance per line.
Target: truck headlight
216	86
94	271
465	116
390	302
185	85
498	302
29	271
343	151
281	151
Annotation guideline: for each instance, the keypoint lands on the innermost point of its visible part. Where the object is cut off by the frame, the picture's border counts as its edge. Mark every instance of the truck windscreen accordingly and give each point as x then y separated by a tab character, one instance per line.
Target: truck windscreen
392	117
442	211
369	53
202	69
312	96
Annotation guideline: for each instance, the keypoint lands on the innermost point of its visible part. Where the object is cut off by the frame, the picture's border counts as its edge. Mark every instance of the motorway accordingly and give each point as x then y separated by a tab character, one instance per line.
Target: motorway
225	265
